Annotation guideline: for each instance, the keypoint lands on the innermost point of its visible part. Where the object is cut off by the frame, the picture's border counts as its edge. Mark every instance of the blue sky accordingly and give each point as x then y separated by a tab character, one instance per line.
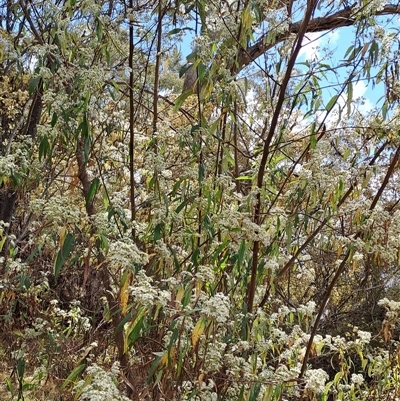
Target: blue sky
338	41
315	46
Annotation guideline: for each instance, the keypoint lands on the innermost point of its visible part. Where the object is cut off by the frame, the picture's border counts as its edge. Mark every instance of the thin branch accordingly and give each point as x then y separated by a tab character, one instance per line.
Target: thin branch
266	150
341	18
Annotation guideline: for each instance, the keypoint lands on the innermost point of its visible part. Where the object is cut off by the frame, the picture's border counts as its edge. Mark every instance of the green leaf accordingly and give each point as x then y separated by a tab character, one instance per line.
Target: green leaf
10	387
331	103
94	186
202	172
178	30
255	390
374	52
206	89
184	203
83	127
123	321
246	25
63	253
73	375
154	366
240	254
385	109
289	227
54	120
137	325
158	231
182	97
201	71
350	49
20	368
44	148
313	138
33	84
99	29
349	98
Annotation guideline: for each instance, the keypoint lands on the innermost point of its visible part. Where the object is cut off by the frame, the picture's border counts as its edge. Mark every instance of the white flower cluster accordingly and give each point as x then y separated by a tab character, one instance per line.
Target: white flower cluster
372	6
74	317
124	253
364	336
90	7
205	273
59	209
308	308
144	293
357	379
100	386
217	308
389	304
315	380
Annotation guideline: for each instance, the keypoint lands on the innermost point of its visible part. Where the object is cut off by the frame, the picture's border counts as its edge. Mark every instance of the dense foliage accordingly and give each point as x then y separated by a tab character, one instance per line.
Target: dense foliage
224	226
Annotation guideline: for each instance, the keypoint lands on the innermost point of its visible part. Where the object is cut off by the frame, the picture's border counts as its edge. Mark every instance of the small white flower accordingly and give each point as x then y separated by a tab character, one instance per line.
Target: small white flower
315	380
357	379
389	304
365	336
217	308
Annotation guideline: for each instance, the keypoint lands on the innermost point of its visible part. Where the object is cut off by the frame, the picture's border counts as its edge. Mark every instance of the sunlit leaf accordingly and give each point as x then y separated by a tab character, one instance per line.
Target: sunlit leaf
332	103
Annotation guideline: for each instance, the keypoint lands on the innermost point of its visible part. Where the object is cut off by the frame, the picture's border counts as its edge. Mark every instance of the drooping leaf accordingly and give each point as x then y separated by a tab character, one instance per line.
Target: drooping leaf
94	186
76	372
332	103
158	230
33	84
179	101
349	98
63	253
198	330
44	148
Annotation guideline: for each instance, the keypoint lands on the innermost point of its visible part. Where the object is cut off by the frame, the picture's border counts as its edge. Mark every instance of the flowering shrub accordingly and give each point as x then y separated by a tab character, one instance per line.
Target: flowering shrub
232	239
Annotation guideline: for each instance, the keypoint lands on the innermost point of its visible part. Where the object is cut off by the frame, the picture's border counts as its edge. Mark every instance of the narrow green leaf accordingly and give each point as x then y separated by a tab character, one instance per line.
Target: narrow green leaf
240	255
94	186
384	109
73	375
202	172
158	230
374	52
184	203
33	84
20	368
255	390
331	103
136	327
10	387
99	30
289	228
206	89
177	30
124	320
83	127
153	368
44	148
313	138
63	253
54	120
182	97
349	98
350	49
